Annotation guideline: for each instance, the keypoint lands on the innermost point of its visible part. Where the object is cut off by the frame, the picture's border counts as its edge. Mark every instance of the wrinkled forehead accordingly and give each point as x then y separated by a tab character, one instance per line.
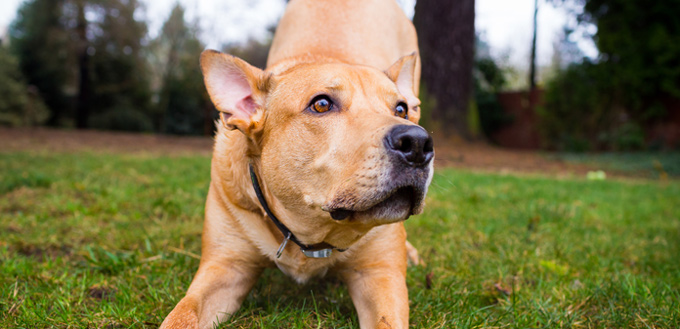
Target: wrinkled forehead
305	81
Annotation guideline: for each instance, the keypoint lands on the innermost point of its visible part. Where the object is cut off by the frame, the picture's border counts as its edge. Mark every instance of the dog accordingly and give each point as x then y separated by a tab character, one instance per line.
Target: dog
317	162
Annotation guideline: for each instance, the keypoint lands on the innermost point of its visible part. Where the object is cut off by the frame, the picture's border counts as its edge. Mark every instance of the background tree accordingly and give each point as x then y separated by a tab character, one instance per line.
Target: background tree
85	55
489	80
120	73
183	104
639	42
20	105
41	43
446	32
532	64
611	102
84	83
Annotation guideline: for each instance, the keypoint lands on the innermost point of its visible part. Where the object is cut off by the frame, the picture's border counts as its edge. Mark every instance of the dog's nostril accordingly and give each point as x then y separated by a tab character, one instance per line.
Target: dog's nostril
429	145
405	145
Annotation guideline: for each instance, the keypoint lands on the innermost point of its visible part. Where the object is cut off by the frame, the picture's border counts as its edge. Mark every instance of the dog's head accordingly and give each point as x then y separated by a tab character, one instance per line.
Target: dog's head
336	145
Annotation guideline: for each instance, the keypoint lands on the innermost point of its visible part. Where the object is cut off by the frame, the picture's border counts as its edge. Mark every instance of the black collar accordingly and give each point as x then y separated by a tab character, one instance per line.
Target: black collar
319	250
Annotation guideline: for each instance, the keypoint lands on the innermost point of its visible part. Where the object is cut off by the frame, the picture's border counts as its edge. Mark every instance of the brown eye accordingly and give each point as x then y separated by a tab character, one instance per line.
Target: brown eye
321	104
401	111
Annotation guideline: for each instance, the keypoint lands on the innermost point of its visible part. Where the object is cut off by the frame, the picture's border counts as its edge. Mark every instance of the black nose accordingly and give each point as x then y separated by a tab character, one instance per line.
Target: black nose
412	144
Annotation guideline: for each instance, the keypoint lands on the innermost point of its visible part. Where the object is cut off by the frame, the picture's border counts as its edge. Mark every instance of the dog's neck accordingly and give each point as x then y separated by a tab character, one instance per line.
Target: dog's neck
239	184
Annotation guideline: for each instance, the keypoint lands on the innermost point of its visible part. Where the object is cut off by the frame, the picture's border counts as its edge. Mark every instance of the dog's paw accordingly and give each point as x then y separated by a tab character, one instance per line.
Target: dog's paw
181	317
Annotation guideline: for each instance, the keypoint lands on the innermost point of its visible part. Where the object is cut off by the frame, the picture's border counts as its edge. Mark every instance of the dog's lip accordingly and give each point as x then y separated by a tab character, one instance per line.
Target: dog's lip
413	193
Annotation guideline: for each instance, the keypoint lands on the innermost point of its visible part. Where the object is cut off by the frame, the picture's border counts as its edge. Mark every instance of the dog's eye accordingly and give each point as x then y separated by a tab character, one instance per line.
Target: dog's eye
321	104
401	111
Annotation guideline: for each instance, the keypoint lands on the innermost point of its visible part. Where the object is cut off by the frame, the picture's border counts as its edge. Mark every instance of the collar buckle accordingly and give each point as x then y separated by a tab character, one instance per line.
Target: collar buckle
323	253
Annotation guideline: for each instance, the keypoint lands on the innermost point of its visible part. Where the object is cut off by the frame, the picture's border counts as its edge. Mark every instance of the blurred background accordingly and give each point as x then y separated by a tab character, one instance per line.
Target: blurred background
567	75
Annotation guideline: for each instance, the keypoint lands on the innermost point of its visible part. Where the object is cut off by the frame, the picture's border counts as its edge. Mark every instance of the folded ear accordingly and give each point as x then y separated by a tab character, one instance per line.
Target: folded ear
403	73
237	89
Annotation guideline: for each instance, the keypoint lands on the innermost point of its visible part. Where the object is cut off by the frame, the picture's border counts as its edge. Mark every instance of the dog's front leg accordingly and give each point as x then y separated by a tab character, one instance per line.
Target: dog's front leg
215	293
376	278
380	298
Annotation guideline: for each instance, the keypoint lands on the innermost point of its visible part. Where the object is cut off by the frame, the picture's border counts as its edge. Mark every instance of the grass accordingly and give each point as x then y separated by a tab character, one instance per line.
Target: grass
110	241
642	164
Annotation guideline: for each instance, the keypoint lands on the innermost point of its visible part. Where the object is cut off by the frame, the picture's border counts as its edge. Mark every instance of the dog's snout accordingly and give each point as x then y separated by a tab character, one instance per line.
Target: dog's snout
412	144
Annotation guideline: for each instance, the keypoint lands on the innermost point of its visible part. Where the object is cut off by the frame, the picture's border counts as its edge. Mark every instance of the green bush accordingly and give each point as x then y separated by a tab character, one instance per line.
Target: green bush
628	137
584	112
609	104
20	105
578	114
489	79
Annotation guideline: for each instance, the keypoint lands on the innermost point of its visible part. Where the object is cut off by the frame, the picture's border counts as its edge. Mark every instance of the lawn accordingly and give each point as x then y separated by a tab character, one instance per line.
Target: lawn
112	241
641	164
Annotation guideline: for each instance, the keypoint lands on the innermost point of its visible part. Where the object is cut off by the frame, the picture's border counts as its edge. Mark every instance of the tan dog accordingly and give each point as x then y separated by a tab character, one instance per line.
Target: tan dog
328	135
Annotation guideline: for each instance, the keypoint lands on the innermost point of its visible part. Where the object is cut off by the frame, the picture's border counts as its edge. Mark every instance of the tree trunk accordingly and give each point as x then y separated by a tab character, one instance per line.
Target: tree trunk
84	88
532	66
446	32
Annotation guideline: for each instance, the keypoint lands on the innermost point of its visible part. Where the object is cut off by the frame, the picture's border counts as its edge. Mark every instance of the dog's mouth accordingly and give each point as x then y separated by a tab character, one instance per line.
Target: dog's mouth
396	205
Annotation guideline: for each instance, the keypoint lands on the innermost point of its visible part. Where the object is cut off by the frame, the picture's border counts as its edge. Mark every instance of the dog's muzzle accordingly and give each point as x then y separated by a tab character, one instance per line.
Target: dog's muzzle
410	152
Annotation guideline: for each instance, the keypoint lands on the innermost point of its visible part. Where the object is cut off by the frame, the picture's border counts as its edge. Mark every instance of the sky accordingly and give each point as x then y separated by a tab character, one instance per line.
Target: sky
505	25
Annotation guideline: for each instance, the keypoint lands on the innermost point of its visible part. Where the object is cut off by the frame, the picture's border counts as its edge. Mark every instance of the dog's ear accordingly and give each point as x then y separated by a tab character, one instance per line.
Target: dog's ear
403	73
237	89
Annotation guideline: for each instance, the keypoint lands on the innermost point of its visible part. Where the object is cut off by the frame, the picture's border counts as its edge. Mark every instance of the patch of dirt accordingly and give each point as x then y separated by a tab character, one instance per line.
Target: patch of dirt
101	292
450	152
40	251
480	156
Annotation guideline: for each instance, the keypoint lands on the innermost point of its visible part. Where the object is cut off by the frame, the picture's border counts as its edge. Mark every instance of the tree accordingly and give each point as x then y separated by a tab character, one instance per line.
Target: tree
639	41
20	105
610	102
446	32
84	83
83	54
183	104
489	80
532	64
639	44
120	72
41	43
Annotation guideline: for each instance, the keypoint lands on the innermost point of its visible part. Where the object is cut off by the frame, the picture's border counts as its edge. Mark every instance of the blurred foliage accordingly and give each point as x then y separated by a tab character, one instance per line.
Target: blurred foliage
95	66
124	118
254	52
87	60
639	42
183	103
119	72
489	79
609	103
83	55
41	43
20	105
576	108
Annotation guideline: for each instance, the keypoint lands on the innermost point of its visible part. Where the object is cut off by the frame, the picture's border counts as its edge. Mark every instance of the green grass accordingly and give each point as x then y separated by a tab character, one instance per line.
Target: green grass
641	164
108	241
